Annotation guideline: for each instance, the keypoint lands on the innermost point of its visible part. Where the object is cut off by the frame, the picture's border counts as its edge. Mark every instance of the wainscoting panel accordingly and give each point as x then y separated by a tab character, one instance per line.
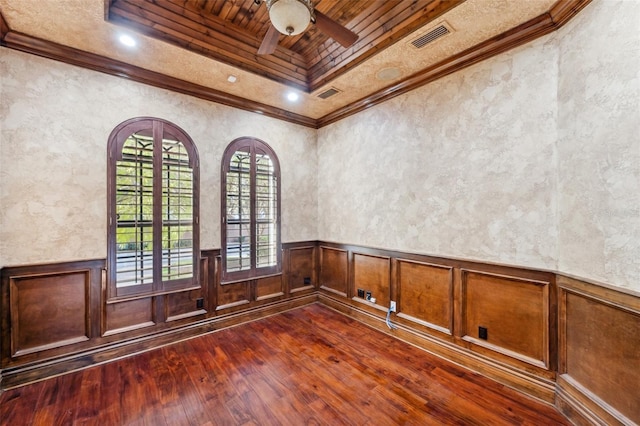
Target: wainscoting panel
233	295
269	288
191	303
57	317
425	294
302	268
49	308
450	299
562	340
184	305
49	311
513	311
373	273
334	270
129	315
600	351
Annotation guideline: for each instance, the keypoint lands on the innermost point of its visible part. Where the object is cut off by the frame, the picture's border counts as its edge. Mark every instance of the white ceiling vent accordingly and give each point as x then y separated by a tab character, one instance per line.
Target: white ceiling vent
328	93
432	35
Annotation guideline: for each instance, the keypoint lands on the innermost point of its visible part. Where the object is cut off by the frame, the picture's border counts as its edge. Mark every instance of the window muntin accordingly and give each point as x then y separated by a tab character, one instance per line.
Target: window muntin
251	210
153	208
134	212
238	212
266	213
177	212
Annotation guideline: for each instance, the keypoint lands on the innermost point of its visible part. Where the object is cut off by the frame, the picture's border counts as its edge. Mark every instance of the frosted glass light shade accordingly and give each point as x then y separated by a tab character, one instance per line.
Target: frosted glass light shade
290	17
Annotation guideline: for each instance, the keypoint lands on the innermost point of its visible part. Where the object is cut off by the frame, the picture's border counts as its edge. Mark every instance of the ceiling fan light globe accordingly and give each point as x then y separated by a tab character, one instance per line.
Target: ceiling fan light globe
290	17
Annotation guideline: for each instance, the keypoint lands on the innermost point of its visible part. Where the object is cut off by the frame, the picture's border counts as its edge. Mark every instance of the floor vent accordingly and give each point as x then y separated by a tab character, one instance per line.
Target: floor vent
328	93
436	33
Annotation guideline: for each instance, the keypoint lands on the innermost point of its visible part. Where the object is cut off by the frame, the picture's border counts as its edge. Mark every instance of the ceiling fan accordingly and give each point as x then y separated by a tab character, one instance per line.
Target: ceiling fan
291	17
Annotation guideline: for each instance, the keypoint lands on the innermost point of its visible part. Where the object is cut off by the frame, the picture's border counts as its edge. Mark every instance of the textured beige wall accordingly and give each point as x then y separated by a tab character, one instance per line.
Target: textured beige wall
81	24
54	123
531	158
462	167
599	144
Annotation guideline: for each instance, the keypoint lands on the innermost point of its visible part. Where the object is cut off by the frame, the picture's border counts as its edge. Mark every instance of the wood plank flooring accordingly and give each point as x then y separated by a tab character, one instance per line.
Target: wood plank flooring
308	366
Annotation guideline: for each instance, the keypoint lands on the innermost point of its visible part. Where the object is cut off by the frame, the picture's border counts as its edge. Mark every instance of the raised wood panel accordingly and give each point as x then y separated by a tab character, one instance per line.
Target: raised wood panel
425	294
598	327
302	266
232	295
128	315
309	366
120	348
542	388
207	278
269	287
600	355
514	311
334	269
373	273
183	305
49	311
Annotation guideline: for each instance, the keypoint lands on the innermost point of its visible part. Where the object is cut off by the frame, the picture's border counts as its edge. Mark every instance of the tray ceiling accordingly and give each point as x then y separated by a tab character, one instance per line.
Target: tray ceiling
231	32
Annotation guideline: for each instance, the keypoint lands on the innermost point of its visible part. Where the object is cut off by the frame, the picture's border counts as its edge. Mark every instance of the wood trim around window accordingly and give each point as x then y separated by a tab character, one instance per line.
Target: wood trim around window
251	144
158	128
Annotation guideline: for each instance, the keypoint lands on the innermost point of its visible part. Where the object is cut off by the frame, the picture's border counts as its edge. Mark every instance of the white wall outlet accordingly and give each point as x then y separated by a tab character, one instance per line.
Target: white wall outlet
392	306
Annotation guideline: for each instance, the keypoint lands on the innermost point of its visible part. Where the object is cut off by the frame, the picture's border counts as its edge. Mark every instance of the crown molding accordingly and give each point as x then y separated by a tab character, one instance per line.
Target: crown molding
4	27
69	55
537	27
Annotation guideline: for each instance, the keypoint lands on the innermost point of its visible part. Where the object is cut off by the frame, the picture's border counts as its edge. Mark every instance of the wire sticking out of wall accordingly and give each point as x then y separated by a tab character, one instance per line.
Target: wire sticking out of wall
388	321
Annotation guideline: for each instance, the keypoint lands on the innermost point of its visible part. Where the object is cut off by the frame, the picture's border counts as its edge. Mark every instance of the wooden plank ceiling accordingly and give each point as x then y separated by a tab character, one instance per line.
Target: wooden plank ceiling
231	31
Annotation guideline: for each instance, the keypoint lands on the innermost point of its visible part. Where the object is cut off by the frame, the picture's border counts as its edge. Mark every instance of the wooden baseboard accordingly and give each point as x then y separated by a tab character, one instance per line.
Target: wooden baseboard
25	374
599	339
544	349
574	401
582	407
536	387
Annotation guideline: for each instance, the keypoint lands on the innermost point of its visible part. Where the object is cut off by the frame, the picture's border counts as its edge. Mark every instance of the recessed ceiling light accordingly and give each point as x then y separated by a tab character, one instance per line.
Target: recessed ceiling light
293	96
127	40
232	79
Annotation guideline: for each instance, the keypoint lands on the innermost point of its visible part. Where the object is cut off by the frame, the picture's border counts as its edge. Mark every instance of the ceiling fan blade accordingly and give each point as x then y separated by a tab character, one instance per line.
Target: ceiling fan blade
270	41
334	30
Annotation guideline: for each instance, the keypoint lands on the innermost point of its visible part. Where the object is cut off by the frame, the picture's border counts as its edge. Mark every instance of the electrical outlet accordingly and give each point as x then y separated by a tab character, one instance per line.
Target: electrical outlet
392	306
367	295
483	333
307	280
200	303
361	293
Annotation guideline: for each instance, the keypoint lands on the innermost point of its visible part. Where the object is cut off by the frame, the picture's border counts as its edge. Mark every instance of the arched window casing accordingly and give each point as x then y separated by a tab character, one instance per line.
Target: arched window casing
153	190
250	218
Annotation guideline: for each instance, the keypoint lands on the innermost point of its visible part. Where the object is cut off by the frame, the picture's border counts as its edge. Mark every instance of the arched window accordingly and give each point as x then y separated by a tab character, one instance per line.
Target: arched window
250	210
153	208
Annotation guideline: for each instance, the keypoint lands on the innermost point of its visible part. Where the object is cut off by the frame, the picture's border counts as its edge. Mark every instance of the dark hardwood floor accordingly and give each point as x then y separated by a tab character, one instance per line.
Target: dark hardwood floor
309	366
